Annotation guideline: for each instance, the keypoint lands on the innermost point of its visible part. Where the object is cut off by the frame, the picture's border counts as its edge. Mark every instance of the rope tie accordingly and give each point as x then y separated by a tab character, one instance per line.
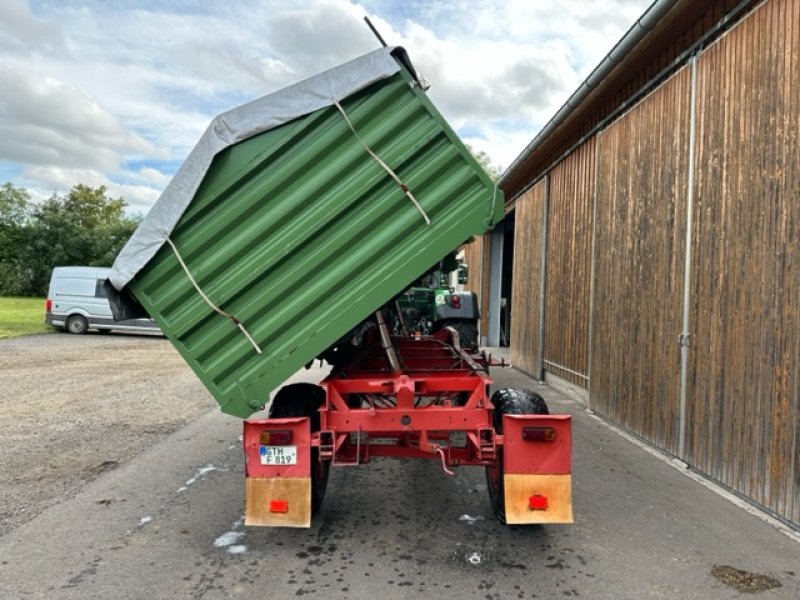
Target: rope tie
203	295
386	167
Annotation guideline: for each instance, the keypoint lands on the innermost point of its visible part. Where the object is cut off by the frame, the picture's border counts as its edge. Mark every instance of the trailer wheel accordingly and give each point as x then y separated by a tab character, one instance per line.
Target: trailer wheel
76	324
508	401
304	400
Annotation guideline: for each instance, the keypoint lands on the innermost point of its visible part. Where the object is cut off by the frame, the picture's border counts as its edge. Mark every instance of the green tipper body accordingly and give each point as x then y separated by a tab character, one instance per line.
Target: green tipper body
301	235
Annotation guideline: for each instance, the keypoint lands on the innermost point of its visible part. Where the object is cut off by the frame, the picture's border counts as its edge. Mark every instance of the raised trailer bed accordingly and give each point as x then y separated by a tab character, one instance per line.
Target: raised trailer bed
416	398
290	233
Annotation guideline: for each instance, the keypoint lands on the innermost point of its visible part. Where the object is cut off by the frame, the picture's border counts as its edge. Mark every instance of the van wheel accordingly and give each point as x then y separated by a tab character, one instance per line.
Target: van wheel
76	324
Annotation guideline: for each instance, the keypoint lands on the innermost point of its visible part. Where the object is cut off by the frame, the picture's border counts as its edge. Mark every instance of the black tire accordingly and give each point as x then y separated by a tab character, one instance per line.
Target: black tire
76	324
467	333
304	400
508	401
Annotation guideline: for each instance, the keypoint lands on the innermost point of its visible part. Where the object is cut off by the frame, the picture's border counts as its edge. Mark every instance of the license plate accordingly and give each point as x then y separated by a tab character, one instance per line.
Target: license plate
278	455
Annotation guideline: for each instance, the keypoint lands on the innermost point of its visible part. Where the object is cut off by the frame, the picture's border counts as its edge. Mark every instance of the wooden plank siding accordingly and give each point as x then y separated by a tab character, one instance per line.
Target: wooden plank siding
639	268
486	250
525	350
569	258
744	380
472	258
622	198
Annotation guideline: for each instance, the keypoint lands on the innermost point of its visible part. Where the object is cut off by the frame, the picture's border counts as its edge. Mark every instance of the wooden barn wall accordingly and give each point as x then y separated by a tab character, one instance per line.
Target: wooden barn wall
569	258
486	251
526	281
744	380
472	258
639	268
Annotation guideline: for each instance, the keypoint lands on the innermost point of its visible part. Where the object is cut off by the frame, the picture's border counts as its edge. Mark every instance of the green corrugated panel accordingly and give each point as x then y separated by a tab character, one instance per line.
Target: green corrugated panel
302	235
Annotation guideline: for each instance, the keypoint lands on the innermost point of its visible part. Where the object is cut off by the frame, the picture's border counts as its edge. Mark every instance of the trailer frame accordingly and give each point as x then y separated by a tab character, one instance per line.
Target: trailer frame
410	397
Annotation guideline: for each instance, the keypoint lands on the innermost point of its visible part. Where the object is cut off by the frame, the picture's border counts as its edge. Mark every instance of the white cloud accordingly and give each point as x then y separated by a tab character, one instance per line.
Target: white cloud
46	122
502	146
21	32
49	180
152	176
91	87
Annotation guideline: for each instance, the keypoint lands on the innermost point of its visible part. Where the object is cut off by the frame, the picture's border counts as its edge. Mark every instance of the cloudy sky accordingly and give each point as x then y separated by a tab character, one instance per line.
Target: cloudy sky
117	92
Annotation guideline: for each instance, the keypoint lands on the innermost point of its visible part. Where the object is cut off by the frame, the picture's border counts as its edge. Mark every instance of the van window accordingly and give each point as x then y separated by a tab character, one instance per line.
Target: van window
100	290
75	286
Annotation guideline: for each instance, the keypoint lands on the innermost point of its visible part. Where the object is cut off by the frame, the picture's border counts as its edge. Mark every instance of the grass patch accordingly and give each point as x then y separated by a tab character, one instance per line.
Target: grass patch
22	316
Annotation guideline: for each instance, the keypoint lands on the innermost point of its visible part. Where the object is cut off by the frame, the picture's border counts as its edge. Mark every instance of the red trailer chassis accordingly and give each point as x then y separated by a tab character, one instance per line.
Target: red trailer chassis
435	406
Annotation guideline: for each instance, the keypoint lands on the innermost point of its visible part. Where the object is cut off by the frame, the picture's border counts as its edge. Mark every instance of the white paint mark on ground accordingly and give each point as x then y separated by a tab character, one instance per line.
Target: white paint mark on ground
470	520
145	520
228	539
200	472
198	475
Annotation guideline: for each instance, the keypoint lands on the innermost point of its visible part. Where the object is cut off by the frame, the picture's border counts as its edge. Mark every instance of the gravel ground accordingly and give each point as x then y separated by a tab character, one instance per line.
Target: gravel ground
74	407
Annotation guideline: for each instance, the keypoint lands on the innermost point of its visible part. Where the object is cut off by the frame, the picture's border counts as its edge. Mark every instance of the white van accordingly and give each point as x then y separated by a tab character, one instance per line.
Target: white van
77	302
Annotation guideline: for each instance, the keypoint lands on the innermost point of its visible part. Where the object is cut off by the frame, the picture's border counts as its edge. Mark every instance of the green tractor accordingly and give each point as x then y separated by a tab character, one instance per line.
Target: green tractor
434	302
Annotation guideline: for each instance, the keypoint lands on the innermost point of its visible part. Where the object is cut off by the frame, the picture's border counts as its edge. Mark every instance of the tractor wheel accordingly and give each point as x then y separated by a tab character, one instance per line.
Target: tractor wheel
304	400
467	333
508	401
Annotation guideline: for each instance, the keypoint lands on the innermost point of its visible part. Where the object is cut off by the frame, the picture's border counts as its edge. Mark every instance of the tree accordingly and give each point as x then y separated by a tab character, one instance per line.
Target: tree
86	227
14	206
92	209
15	211
485	161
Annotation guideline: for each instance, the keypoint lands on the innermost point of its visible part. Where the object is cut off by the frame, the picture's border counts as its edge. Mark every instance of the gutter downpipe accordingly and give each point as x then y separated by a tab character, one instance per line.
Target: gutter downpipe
683	338
634	35
543	274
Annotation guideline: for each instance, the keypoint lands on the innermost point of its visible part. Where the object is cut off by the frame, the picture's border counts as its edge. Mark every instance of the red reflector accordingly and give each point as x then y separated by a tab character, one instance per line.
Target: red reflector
276	437
538	434
538	502
278	506
455	301
48	305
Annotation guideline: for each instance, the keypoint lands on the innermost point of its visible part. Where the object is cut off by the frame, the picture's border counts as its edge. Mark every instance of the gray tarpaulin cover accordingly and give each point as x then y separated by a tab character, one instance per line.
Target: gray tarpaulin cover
240	124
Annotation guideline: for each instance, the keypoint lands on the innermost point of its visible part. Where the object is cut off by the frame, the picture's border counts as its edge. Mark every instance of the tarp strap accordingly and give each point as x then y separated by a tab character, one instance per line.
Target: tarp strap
216	308
386	167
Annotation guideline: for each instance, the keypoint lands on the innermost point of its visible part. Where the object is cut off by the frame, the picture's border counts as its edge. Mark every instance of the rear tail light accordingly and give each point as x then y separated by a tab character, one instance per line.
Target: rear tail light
538	502
276	437
48	305
455	301
538	434
278	506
